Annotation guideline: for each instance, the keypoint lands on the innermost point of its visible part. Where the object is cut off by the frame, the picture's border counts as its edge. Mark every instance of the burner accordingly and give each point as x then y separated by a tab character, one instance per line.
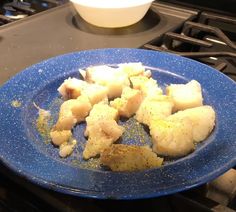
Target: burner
19	9
150	20
162	28
18	6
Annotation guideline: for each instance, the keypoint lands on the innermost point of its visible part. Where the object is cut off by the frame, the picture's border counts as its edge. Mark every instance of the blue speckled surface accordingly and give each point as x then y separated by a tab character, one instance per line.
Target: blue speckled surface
24	151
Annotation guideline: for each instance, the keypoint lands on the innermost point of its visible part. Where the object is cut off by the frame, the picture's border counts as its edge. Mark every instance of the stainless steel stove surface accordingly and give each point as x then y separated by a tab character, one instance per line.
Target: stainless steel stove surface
60	30
31	31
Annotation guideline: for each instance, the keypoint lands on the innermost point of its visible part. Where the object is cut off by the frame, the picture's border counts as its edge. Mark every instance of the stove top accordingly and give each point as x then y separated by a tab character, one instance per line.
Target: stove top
31	31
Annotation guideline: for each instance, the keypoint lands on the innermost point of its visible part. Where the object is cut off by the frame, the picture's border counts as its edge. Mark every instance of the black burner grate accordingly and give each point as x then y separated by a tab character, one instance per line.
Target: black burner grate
201	41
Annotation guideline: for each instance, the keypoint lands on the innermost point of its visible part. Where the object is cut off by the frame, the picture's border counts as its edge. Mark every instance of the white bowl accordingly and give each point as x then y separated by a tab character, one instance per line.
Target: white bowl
112	13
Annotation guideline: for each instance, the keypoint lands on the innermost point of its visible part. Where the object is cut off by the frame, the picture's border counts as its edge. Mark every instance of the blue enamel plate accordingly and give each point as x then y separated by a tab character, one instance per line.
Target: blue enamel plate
30	154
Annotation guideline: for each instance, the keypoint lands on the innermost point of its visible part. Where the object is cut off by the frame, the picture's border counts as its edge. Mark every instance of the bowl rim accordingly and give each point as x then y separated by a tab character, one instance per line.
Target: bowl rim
111	4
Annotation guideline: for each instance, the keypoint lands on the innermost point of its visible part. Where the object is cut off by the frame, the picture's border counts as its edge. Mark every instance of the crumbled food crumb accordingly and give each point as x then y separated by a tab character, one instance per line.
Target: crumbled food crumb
15	103
42	123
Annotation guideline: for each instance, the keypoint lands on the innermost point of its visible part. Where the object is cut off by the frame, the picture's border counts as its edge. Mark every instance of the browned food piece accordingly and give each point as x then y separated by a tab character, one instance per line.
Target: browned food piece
121	157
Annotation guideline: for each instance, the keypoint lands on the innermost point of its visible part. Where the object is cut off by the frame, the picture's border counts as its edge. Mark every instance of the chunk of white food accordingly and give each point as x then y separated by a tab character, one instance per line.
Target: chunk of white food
129	102
67	148
185	95
148	86
95	93
154	108
112	78
60	137
202	119
171	138
99	112
81	109
132	69
71	88
66	119
101	135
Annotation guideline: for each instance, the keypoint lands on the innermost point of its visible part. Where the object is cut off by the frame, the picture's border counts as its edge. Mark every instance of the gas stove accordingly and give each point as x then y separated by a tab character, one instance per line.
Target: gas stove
31	31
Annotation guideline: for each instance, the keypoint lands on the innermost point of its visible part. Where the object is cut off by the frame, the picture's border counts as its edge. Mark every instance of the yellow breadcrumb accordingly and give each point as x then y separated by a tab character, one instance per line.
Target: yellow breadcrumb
121	157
